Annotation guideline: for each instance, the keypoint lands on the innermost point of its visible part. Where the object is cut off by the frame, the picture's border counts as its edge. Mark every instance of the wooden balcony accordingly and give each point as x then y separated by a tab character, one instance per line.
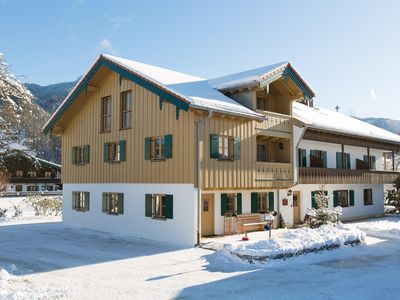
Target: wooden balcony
345	176
37	180
275	124
273	171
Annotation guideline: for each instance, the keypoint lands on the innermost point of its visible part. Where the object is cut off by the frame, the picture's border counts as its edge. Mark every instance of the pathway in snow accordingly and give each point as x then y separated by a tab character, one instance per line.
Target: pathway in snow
50	260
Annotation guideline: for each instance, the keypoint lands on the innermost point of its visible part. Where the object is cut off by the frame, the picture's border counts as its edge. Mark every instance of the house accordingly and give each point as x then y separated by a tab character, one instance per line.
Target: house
23	173
353	160
159	154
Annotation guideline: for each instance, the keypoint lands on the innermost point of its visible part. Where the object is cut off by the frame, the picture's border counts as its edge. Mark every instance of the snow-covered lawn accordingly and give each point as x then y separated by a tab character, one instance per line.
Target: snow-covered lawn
49	260
292	242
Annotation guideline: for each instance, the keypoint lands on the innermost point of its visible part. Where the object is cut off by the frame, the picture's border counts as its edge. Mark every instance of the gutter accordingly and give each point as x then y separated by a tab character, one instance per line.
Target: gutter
200	124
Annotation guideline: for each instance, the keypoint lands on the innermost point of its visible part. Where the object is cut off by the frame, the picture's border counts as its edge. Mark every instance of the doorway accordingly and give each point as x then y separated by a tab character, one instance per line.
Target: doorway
296	208
207	214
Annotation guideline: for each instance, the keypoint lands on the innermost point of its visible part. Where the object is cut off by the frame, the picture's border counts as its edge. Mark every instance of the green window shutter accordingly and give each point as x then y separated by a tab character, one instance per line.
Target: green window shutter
121	203
348	161
239	203
87	200
313	200
335	198
73	200
254	203
373	162
169	206
104	203
73	155
304	157
106	148
147	148
236	148
339	160
351	194
149	205
86	154
223	204
168	146
366	158
214	146
325	158
271	206
122	150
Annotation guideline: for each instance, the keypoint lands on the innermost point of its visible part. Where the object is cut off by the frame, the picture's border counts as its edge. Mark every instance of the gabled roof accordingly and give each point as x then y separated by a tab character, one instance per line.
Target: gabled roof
183	90
331	121
264	74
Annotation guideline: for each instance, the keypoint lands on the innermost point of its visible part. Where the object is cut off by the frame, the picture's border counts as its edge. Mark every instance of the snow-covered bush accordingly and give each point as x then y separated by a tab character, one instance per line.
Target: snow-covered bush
44	206
3	212
392	197
320	215
17	209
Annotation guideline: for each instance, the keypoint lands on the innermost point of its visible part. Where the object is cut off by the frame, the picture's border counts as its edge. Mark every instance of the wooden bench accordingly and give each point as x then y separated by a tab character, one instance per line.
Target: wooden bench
249	222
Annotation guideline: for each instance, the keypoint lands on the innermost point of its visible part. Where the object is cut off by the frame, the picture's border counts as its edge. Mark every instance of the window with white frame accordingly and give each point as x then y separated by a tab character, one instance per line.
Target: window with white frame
126	110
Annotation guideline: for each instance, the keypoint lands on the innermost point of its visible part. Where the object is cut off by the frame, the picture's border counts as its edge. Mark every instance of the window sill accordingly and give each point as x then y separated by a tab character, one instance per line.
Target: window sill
157	159
80	210
114	161
77	164
224	159
368	204
159	218
105	131
112	214
125	128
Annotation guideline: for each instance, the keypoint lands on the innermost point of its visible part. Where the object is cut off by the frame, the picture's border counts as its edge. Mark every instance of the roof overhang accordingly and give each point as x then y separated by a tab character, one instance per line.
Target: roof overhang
153	86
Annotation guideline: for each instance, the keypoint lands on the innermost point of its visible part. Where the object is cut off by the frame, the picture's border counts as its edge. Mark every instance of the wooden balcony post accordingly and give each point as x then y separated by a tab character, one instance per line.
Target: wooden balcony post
369	159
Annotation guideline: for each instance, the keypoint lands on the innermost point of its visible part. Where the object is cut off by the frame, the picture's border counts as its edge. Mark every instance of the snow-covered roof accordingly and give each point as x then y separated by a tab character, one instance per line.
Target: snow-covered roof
196	90
328	120
255	76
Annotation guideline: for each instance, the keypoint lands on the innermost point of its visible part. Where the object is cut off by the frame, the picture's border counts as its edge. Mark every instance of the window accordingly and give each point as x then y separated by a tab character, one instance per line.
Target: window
80	155
32	188
343	160
18	187
19	173
343	197
159	206
126	110
231	204
32	173
158	148
262	103
302	158
106	114
368	197
80	201
115	152
224	147
47	174
318	159
113	203
262	202
262	152
371	162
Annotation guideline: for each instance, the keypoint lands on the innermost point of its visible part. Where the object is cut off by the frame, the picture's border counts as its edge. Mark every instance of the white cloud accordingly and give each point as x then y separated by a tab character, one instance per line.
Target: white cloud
117	22
105	45
372	93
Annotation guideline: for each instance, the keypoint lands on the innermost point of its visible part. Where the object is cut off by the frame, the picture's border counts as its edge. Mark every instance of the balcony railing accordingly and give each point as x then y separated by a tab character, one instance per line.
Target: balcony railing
275	122
345	176
273	171
13	179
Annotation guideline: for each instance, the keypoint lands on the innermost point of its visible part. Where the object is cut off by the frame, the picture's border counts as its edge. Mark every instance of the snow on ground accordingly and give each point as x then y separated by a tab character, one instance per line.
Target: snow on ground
388	227
296	241
50	260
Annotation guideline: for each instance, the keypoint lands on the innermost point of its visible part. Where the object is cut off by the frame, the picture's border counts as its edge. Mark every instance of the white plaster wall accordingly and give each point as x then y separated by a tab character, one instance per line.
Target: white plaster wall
356	211
180	230
246	205
355	153
330	148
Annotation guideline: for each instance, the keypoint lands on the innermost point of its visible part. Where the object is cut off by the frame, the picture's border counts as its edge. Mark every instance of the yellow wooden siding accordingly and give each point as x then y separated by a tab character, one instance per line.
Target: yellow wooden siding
148	120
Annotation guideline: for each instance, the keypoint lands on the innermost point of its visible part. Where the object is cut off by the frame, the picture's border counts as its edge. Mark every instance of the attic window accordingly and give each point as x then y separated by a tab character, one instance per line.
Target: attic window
106	114
262	103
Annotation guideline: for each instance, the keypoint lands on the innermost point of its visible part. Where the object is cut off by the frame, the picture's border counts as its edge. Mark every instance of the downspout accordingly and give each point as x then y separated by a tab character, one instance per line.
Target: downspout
199	125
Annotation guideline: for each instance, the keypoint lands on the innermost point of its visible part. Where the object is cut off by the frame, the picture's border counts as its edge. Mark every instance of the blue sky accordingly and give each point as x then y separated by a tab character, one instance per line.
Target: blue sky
349	51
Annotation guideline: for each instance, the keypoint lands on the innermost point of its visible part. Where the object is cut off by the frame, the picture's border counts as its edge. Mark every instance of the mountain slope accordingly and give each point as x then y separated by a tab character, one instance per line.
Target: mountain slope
388	124
50	97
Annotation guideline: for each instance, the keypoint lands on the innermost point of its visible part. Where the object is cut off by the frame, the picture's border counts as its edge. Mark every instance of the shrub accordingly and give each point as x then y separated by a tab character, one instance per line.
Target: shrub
3	212
321	215
44	206
392	196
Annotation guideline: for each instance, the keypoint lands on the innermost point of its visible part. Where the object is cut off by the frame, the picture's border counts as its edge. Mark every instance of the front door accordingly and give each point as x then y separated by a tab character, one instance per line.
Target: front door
296	207
207	214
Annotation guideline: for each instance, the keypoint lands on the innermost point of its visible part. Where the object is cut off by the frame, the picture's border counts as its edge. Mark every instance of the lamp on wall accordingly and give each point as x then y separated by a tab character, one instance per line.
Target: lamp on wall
280	145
